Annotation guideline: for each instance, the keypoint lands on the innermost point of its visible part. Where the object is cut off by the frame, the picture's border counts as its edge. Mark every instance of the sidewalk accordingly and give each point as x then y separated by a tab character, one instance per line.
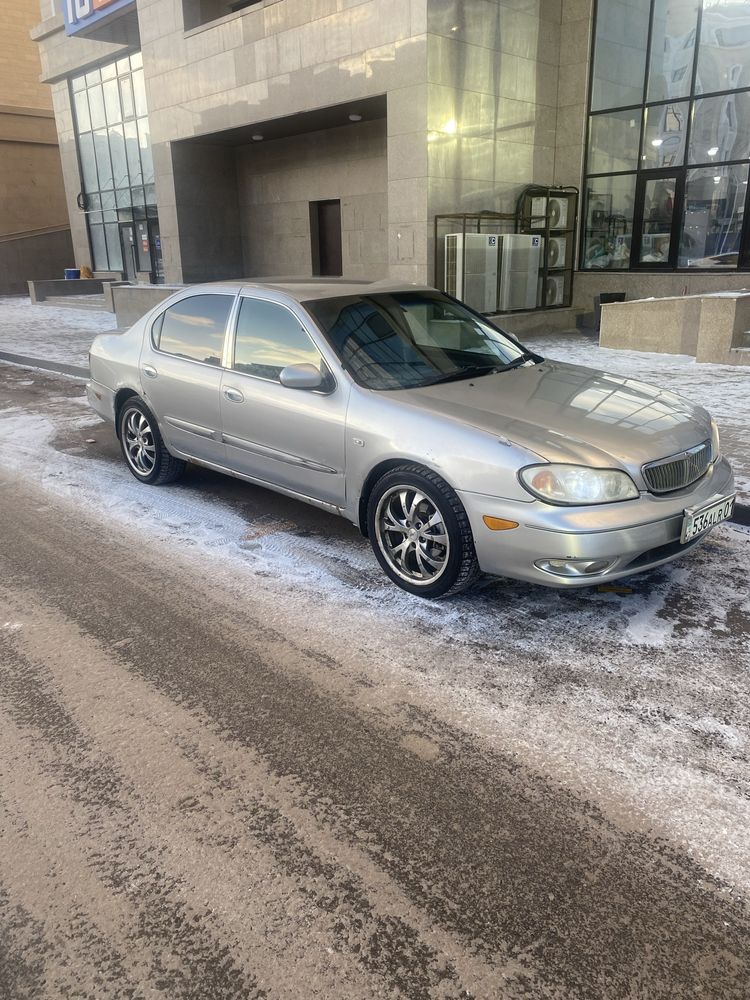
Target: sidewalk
58	339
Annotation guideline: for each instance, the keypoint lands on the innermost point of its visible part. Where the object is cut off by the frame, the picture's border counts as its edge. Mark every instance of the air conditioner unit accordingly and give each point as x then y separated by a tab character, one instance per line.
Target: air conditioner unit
555	208
555	289
519	271
558	246
471	269
558	213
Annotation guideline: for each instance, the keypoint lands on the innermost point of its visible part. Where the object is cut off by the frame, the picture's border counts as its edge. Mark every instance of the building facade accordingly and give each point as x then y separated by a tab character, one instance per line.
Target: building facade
204	139
34	229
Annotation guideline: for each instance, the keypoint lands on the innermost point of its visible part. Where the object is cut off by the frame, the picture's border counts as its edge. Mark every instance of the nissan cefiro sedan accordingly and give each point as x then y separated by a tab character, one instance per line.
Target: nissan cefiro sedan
453	448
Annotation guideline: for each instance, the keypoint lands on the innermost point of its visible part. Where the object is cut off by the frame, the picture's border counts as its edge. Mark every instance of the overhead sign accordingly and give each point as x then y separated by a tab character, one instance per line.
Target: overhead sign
80	15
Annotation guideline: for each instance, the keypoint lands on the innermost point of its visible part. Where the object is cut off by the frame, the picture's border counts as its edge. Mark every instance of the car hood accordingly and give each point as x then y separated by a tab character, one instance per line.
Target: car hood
566	413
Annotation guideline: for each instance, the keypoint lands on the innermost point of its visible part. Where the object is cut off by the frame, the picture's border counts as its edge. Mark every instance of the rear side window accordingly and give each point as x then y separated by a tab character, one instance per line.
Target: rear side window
194	328
270	337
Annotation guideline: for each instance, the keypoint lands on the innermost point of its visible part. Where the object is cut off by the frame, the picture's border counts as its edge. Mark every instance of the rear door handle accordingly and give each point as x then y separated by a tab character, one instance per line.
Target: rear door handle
233	394
149	370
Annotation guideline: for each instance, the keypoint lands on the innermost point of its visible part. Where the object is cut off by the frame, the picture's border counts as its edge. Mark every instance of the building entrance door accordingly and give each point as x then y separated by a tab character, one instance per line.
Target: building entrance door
658	201
325	231
129	251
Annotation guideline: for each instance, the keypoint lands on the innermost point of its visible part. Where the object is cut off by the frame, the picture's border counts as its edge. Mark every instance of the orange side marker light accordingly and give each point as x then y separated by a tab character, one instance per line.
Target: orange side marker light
499	523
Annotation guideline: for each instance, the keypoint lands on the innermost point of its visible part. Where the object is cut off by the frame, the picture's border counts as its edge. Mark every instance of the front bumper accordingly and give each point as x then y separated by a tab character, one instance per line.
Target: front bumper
635	535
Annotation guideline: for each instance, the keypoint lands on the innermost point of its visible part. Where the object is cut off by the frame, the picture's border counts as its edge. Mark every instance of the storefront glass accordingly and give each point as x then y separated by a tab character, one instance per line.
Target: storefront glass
117	170
669	136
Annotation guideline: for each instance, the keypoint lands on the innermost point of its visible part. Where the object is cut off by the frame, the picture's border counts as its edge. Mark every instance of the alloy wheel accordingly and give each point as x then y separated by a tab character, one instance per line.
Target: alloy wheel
140	448
412	535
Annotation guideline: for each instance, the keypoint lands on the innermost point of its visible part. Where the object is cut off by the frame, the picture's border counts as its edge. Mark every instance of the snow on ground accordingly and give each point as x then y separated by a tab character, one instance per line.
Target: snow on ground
52	333
638	700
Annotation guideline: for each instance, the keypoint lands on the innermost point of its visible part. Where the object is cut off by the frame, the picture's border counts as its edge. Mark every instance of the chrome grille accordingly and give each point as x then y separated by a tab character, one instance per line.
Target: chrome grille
677	471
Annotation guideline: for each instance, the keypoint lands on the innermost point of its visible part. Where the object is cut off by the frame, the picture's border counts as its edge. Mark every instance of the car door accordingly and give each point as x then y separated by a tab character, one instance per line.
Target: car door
181	373
292	438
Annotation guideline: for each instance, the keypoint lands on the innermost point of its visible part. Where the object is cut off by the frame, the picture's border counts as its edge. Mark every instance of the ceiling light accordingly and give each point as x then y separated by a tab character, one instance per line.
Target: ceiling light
656	142
713	151
717	180
451	126
355	118
257	137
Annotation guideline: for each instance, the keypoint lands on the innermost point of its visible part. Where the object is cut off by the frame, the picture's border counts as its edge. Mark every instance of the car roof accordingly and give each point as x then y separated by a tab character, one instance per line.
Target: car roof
305	289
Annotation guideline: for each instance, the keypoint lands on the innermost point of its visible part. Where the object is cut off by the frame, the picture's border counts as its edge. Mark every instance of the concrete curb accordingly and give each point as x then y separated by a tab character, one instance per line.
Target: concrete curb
58	367
741	511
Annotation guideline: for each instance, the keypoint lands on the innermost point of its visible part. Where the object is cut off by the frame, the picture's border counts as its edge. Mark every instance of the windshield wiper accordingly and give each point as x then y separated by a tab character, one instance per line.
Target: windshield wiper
478	370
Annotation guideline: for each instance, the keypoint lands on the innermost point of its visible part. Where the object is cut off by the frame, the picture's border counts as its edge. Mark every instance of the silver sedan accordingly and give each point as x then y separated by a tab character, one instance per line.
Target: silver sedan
453	448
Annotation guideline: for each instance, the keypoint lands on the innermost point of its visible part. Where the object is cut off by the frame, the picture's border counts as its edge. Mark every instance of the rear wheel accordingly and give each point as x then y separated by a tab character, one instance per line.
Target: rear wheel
143	447
420	533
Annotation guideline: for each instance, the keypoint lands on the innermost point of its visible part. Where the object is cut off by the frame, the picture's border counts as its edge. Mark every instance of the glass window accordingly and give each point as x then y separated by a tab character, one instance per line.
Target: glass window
108	71
78	83
269	338
664	135
119	156
658	210
712	224
132	150
126	92
88	162
81	103
194	328
99	248
112	101
619	54
724	50
92	77
112	235
96	107
721	128
139	93
103	162
613	141
144	140
672	49
609	222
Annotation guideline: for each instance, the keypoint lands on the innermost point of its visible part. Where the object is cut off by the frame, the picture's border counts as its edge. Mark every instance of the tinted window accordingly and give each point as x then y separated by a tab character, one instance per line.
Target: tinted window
269	338
194	328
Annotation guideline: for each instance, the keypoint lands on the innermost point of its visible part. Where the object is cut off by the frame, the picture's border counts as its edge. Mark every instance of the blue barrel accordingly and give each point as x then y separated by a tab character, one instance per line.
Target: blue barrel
72	272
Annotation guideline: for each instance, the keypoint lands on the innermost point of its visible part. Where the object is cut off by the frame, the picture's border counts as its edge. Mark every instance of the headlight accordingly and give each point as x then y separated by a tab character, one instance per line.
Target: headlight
576	484
715	442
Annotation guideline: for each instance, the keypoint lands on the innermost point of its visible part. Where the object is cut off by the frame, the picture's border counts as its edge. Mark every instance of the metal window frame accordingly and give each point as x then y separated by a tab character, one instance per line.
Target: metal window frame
679	172
133	208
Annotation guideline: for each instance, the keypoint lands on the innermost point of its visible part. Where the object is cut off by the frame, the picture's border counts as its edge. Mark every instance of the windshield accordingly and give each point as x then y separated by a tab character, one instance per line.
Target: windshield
403	340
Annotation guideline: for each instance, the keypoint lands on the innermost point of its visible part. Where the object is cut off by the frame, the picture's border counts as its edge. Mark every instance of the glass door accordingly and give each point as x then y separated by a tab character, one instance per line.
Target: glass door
658	203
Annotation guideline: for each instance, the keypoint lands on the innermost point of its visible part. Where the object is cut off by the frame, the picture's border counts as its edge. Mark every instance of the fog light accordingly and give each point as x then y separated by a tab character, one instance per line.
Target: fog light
574	567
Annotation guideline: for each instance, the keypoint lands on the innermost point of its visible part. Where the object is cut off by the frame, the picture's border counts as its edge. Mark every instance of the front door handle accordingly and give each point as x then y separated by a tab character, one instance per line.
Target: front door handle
149	370
232	394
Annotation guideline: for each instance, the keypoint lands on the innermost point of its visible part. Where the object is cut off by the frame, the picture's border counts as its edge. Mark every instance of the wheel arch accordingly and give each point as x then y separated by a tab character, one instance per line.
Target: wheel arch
379	470
121	397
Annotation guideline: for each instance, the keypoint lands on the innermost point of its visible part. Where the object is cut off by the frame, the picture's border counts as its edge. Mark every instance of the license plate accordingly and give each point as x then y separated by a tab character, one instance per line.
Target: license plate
700	519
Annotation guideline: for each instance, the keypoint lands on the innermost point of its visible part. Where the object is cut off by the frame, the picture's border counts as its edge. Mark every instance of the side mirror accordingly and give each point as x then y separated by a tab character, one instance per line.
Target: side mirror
301	377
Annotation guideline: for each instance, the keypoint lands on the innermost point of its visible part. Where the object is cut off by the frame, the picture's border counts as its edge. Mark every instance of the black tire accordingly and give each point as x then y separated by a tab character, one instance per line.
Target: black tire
457	559
143	448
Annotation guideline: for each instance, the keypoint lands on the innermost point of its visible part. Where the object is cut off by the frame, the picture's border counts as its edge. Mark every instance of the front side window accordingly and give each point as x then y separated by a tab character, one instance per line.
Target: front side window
269	338
194	328
405	340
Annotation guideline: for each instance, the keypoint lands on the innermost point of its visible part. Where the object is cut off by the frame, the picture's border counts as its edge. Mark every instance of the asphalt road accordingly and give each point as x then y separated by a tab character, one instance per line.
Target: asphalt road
196	803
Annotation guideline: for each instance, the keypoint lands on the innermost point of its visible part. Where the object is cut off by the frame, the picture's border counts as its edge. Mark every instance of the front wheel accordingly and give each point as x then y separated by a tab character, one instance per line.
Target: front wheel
143	447
420	533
